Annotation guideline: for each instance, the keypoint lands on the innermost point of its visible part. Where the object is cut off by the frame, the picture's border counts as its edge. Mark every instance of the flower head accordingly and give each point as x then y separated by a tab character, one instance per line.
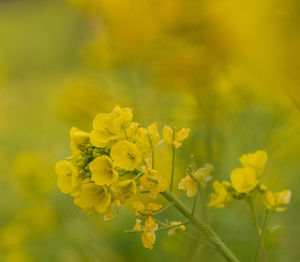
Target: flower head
243	179
67	176
256	160
274	200
202	175
103	171
221	198
126	155
173	138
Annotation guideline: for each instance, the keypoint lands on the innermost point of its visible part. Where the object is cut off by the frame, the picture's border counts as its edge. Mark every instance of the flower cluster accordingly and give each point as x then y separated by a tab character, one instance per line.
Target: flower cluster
113	163
245	183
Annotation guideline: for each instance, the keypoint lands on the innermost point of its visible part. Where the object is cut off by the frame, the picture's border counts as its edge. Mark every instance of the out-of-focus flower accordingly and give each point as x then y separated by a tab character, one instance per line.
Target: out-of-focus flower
126	155
194	176
244	179
221	198
173	138
103	171
274	200
256	160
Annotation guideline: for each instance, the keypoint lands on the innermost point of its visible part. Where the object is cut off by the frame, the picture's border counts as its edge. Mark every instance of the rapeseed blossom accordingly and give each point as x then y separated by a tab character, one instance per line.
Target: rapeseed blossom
111	165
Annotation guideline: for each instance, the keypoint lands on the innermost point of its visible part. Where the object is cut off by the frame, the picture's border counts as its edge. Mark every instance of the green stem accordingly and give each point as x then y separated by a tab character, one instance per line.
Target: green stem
254	218
256	227
163	209
203	203
200	225
195	202
266	219
173	167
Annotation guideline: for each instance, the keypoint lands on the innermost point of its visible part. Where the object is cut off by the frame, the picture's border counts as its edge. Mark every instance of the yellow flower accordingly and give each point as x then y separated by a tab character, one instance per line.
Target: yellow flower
126	155
202	175
103	171
93	196
274	200
139	208
148	239
125	189
243	179
256	160
78	138
150	224
221	198
131	131
189	184
67	176
108	127
138	225
148	138
173	138
108	214
153	182
175	225
105	129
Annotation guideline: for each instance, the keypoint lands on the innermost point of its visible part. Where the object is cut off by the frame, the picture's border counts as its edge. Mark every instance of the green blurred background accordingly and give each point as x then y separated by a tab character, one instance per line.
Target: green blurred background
229	70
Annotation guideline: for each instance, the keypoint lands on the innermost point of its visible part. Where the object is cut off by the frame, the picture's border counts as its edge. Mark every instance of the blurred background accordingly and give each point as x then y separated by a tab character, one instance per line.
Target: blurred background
229	70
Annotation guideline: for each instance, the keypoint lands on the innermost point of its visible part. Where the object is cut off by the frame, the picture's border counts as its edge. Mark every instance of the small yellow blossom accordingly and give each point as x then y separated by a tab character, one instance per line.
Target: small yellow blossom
126	155
175	225
274	200
189	184
131	131
78	138
173	138
108	127
105	129
148	138
150	224
256	160
221	198
125	190
202	175
67	176
138	225
139	208
153	182
93	196
243	179
103	171
148	239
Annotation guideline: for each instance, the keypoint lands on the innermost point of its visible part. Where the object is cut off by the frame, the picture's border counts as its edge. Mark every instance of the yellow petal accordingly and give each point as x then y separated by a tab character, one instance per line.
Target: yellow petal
103	171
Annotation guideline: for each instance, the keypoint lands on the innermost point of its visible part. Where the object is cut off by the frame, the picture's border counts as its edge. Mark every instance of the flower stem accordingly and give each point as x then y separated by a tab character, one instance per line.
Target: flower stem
195	202
200	225
163	209
266	220
254	218
172	168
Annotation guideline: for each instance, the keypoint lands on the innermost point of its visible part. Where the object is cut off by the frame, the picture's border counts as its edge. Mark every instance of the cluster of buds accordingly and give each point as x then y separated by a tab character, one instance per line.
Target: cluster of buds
245	183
